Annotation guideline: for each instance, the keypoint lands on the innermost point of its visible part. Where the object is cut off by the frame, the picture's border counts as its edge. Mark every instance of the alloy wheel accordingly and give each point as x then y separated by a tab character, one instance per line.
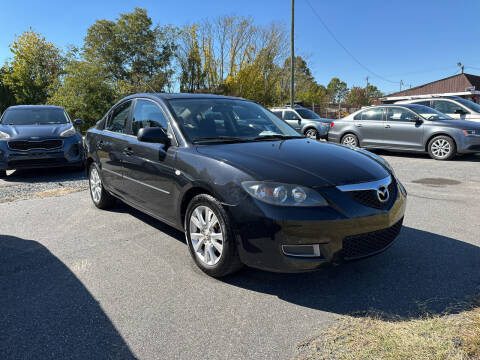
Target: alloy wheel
349	140
441	148
206	235
312	134
95	185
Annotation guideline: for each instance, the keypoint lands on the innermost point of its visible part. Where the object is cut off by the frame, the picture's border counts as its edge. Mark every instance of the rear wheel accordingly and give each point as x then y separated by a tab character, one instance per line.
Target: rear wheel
100	197
210	238
312	134
442	148
350	139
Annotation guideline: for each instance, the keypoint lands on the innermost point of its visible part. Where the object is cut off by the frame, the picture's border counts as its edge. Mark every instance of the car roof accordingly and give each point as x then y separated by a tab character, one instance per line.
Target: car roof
170	96
30	107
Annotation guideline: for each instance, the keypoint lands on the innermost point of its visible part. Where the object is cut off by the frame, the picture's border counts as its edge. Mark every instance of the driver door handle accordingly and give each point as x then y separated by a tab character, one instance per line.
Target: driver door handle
358	125
387	126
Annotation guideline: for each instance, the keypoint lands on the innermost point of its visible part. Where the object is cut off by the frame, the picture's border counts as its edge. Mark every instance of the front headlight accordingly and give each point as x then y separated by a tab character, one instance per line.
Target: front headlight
471	132
69	132
283	194
4	135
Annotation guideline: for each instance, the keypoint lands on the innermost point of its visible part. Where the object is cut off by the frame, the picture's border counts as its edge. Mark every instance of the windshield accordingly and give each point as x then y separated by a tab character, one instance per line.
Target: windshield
429	113
34	117
222	120
307	114
469	104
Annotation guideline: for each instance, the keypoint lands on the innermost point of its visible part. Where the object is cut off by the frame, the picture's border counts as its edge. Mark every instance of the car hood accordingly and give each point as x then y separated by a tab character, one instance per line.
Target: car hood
298	161
37	132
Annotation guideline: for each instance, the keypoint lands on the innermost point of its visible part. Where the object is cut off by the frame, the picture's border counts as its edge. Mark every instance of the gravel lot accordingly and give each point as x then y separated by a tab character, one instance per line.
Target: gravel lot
79	283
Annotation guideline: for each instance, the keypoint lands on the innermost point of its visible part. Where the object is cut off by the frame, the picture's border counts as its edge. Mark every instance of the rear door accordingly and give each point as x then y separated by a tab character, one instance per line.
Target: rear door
115	137
401	131
370	126
293	119
149	167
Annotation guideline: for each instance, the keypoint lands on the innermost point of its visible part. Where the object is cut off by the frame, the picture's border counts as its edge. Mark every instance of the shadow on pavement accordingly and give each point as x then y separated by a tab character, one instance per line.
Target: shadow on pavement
45	175
46	312
422	272
413	155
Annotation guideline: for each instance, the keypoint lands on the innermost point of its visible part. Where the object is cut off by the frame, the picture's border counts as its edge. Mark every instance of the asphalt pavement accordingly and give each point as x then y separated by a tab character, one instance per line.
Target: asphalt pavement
77	282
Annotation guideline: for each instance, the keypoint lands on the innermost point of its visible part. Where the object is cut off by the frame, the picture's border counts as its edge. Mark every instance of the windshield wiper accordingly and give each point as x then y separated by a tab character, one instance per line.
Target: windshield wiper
276	137
219	139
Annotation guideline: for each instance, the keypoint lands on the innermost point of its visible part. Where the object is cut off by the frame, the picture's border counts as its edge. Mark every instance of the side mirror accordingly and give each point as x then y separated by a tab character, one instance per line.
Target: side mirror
460	112
153	135
415	119
78	122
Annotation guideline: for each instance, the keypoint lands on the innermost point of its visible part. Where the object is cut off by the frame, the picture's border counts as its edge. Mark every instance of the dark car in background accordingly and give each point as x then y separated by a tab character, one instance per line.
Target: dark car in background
39	136
243	189
407	127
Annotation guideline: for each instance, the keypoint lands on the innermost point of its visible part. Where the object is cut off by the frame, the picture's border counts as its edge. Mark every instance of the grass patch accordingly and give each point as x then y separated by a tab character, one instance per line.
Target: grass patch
375	336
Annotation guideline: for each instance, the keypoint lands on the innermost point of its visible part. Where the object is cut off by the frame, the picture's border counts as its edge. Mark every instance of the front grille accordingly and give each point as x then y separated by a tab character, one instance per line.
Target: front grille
369	197
24	145
362	245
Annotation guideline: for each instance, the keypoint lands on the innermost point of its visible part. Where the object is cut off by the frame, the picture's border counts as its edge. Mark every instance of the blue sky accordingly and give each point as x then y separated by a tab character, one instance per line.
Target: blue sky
414	41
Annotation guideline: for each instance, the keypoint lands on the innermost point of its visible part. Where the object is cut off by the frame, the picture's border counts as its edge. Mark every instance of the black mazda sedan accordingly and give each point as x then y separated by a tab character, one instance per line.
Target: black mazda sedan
244	186
33	136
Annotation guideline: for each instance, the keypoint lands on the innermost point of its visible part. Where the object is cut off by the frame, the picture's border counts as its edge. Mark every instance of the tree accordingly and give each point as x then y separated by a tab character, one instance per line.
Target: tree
372	92
35	66
133	52
192	75
85	92
337	90
357	97
7	98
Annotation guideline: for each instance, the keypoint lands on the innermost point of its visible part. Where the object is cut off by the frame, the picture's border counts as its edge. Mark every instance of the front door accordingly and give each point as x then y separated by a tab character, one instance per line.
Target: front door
293	119
401	131
370	126
451	109
150	167
114	139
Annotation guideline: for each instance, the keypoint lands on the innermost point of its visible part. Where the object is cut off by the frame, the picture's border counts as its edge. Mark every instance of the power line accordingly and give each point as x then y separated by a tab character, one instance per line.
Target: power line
345	49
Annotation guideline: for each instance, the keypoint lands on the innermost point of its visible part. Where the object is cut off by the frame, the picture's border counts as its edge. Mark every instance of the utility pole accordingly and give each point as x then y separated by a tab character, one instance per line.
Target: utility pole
292	59
367	81
401	83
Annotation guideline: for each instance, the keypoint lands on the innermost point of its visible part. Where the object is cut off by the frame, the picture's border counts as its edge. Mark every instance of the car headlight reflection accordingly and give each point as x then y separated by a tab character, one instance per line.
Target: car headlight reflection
4	135
68	132
284	194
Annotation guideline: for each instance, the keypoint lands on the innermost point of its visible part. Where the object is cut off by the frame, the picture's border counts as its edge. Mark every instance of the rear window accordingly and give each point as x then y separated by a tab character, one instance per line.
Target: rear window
34	117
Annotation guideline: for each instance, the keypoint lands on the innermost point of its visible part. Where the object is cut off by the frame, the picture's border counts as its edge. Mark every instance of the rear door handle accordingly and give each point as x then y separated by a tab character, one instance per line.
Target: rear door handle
358	125
387	126
128	151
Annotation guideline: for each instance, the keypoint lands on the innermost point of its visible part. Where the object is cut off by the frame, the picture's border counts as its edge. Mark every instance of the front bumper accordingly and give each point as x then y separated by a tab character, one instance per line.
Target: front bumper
468	144
342	233
70	154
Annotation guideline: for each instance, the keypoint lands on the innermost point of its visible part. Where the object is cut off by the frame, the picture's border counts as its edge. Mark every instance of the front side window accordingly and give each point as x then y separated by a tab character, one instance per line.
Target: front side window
117	121
399	114
148	114
34	116
217	120
424	103
446	107
290	115
371	114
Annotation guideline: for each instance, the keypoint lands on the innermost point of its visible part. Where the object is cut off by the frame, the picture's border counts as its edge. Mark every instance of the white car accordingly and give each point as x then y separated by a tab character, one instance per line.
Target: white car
453	106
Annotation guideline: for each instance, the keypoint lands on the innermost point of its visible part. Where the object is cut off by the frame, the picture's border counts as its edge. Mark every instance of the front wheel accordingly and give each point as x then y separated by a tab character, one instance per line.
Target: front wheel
100	197
350	140
442	148
312	134
210	238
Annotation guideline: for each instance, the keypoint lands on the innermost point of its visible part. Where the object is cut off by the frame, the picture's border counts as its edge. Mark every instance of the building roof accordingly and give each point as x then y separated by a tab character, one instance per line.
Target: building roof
453	84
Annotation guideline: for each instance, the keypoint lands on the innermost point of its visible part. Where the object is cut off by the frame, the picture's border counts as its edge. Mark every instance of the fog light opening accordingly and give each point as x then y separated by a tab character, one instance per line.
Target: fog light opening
302	250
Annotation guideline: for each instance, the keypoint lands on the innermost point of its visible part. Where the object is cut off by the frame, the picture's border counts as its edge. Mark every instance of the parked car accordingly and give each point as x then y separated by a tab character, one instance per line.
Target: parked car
305	121
244	190
407	127
453	106
33	136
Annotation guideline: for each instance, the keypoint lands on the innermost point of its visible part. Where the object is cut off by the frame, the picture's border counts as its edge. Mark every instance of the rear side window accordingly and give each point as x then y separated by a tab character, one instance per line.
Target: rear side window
446	107
290	115
399	114
117	121
370	114
424	103
278	114
148	114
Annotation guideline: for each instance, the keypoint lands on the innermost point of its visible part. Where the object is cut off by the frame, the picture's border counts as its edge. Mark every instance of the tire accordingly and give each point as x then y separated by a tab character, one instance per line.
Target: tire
209	239
442	148
312	134
101	198
3	174
350	139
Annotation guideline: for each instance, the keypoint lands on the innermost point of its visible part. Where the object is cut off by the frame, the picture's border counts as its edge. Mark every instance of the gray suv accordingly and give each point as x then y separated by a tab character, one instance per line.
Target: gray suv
305	121
407	127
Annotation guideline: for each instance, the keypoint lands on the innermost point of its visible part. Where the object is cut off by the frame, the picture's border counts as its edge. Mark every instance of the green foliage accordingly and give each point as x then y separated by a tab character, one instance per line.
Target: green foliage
7	97
192	75
35	66
337	90
84	91
357	97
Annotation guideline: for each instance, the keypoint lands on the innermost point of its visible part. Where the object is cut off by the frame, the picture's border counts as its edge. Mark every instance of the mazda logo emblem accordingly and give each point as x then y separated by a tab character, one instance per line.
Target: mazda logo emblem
383	194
